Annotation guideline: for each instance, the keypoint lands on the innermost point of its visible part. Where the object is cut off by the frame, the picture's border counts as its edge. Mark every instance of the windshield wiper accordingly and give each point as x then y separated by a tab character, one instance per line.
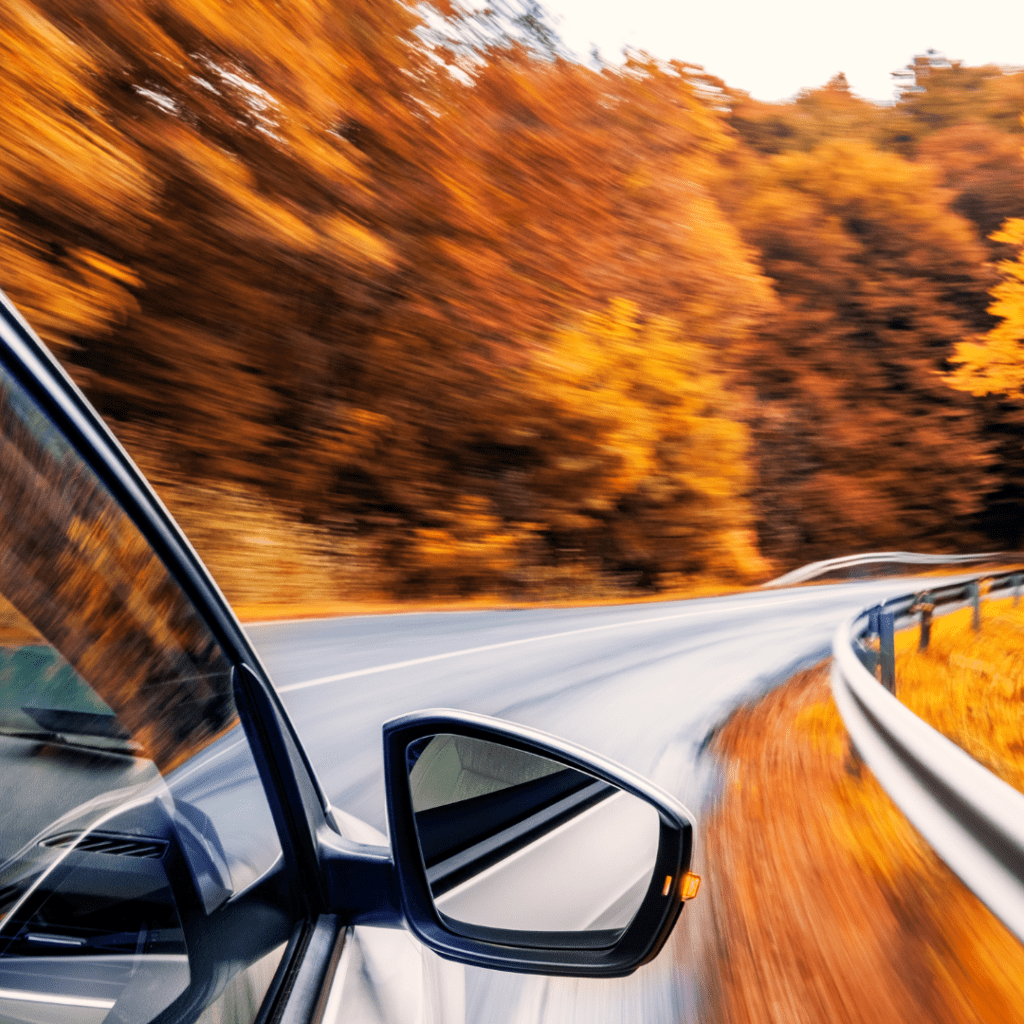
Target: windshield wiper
81	729
80	723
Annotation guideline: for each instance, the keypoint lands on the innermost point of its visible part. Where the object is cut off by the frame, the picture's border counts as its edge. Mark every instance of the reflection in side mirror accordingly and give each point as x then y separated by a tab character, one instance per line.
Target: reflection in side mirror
515	842
517	851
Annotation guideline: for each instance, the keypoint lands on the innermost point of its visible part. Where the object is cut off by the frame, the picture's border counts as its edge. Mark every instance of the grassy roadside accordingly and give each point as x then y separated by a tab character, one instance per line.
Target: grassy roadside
586	597
264	612
970	685
325	608
827	904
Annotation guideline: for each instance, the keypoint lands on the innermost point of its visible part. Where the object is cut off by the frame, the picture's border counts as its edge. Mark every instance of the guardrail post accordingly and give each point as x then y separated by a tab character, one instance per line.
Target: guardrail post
887	650
926	610
975	591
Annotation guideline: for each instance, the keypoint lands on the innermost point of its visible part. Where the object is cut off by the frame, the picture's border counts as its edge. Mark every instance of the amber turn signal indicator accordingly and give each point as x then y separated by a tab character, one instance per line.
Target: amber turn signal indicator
689	885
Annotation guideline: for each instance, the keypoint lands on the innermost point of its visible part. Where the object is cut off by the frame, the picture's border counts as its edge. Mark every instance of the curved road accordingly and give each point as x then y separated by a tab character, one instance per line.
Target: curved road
643	684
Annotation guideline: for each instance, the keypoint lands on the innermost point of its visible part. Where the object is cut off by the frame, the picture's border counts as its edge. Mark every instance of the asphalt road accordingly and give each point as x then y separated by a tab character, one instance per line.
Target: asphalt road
642	684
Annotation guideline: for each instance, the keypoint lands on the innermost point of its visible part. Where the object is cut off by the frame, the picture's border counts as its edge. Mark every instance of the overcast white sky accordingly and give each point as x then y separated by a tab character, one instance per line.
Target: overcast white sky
773	48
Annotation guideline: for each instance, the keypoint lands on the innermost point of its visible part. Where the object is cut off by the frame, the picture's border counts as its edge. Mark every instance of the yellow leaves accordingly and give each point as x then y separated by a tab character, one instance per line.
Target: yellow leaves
350	240
969	685
248	213
837	173
84	295
94	296
593	374
1011	233
847	179
473	548
242	207
994	363
51	123
110	268
637	414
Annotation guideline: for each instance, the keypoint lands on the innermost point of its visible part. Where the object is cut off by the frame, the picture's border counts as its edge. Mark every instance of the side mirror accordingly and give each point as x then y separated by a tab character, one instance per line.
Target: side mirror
519	852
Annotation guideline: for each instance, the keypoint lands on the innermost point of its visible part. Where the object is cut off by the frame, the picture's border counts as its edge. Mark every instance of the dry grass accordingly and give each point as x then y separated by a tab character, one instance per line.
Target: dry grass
692	588
828	906
262	612
970	685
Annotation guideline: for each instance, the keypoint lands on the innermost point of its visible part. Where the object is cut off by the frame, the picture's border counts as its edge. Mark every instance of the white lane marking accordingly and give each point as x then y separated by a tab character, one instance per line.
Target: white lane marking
774	602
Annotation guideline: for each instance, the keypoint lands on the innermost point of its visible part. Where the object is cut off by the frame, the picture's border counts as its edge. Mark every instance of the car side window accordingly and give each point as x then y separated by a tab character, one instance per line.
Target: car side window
129	796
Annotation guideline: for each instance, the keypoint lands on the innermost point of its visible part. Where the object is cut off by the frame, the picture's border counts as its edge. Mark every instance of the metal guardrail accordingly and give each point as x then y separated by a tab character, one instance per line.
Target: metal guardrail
910	558
973	820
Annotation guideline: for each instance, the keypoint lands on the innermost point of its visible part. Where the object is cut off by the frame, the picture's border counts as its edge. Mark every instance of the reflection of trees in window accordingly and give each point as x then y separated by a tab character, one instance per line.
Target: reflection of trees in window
15	629
77	568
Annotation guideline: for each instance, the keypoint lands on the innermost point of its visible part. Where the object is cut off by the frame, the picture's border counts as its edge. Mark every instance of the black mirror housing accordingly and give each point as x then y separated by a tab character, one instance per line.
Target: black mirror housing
577	953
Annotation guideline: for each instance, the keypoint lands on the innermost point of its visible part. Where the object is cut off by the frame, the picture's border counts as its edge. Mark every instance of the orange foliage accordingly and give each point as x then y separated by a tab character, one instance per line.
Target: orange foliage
861	442
329	256
995	362
324	261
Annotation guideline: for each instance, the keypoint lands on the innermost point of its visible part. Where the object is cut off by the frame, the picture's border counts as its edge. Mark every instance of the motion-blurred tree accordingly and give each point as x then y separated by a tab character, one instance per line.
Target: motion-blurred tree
936	93
984	168
644	460
345	254
198	193
564	186
859	441
994	363
313	249
813	117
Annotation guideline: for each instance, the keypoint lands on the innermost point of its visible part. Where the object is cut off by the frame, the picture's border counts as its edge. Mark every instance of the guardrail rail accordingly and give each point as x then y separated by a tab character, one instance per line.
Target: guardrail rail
973	820
849	563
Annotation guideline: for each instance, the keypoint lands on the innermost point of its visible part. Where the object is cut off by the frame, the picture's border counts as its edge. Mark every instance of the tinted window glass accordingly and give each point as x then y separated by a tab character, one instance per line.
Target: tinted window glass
129	797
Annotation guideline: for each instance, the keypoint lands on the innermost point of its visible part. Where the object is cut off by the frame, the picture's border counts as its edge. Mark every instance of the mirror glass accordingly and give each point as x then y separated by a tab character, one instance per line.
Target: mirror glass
520	843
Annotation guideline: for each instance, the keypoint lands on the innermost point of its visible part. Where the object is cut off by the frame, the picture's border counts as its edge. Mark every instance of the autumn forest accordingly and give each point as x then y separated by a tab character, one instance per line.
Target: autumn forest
406	303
